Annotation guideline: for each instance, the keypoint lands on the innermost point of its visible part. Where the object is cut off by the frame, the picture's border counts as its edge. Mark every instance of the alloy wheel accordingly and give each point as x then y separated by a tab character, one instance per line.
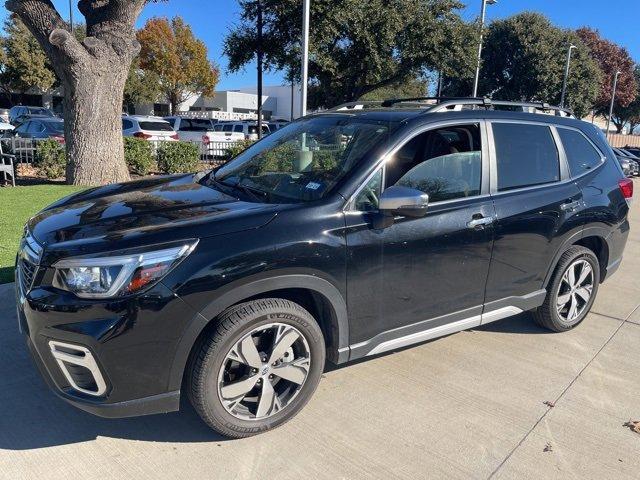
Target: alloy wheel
264	371
575	290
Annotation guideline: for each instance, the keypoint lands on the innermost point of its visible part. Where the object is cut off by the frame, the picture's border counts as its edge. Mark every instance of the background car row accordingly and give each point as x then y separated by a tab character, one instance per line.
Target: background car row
629	160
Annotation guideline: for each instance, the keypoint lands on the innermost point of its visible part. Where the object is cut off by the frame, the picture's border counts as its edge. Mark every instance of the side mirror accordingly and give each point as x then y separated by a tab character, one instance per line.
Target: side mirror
404	201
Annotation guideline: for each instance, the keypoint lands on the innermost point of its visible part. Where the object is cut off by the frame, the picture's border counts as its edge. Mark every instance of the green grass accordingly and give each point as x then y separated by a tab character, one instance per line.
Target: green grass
17	205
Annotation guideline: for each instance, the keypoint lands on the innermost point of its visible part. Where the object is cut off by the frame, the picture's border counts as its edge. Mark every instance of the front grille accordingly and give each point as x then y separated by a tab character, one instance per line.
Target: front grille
28	260
27	274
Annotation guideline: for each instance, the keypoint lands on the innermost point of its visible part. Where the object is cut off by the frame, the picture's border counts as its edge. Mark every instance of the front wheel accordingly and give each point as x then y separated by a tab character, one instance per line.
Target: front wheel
571	292
258	368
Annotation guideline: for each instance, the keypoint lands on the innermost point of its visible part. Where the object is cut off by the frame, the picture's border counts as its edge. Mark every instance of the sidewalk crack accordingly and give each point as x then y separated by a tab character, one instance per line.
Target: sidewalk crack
542	417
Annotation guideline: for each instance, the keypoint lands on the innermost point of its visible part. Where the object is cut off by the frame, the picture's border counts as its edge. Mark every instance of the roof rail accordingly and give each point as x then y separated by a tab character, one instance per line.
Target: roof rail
442	104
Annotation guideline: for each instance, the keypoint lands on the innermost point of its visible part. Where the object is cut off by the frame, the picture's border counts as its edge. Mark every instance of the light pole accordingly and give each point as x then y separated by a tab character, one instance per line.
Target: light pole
613	99
566	75
259	62
71	14
305	56
482	17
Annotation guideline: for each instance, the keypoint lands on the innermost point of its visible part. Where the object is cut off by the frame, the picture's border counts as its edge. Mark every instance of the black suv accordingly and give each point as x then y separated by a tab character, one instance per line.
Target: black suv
343	235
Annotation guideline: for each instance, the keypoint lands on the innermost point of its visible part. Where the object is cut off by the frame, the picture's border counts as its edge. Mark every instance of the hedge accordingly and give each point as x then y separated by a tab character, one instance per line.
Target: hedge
51	159
139	155
178	157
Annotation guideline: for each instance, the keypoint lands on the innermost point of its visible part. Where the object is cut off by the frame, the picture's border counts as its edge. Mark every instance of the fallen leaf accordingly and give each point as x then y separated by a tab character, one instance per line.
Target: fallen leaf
548	448
549	404
633	425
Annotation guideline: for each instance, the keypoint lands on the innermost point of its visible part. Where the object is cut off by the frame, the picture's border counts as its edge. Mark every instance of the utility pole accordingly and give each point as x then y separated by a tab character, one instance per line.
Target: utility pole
305	55
259	61
483	12
613	99
71	14
566	76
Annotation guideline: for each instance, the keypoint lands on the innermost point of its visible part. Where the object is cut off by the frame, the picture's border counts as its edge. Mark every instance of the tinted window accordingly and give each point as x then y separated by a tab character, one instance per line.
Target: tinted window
127	124
228	128
199	125
444	163
238	128
172	122
156	126
55	127
526	155
582	156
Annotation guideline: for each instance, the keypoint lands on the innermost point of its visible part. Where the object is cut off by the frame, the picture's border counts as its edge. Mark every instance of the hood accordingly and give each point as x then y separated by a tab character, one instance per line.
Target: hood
151	211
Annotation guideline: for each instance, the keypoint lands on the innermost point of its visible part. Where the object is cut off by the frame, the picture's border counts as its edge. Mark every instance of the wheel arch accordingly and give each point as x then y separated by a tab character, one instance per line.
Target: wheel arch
323	300
595	239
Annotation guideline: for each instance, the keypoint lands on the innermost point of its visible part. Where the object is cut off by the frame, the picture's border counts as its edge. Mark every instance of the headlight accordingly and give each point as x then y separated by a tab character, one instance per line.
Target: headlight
107	277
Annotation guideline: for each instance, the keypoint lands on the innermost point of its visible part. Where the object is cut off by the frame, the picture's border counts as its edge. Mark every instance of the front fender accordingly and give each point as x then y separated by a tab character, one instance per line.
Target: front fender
240	290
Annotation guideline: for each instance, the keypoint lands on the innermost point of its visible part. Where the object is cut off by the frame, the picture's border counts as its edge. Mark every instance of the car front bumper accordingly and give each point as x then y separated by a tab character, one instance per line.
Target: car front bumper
132	342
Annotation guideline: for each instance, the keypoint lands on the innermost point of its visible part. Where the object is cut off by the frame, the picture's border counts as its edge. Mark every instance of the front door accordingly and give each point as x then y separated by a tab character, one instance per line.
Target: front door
422	273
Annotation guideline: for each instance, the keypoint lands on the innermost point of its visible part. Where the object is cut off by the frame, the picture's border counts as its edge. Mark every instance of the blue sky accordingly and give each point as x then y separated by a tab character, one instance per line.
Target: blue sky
617	20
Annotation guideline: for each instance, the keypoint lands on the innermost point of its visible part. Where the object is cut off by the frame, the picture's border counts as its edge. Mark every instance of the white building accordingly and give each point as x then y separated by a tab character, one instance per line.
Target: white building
238	104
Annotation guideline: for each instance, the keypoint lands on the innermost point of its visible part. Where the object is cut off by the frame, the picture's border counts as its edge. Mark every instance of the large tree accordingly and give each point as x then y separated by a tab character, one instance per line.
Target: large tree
611	58
629	115
524	59
93	73
356	46
142	86
25	64
171	51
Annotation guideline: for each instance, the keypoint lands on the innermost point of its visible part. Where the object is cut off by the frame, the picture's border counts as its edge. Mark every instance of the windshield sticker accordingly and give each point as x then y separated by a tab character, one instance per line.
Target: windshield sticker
313	186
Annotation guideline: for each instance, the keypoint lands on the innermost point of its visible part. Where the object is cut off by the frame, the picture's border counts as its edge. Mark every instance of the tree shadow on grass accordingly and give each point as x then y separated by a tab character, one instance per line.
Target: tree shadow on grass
6	275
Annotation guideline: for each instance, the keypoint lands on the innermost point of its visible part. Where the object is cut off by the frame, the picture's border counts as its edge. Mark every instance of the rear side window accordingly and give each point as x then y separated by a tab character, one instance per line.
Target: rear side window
581	154
526	155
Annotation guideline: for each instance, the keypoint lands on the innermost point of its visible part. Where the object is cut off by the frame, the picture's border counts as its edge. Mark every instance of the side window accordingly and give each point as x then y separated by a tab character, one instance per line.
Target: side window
445	163
526	155
367	199
127	124
581	154
238	128
185	125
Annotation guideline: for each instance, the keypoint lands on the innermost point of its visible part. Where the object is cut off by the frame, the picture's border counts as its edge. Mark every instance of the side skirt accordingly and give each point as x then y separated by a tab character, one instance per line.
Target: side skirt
447	324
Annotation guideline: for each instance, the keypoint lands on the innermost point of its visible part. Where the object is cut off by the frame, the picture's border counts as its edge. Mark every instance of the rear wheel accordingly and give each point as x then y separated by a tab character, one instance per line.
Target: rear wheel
258	368
572	290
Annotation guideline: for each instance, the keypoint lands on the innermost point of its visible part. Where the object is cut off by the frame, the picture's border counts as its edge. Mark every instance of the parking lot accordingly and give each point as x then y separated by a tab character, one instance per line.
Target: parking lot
507	400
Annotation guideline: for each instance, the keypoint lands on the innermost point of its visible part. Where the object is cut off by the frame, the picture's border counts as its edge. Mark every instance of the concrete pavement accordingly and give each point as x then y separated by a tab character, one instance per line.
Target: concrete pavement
471	405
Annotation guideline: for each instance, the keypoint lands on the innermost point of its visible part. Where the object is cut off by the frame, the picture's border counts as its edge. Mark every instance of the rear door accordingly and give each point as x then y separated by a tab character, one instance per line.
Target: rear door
537	210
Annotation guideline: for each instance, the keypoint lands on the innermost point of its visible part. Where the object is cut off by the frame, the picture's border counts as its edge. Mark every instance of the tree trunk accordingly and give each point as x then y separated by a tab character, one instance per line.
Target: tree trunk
93	73
93	125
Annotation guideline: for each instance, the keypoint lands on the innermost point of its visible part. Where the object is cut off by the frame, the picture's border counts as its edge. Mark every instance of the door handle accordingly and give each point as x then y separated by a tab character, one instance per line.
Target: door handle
480	222
570	206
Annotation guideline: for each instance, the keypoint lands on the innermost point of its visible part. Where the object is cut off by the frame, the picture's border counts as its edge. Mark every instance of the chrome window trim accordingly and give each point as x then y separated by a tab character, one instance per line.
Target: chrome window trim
381	163
564	177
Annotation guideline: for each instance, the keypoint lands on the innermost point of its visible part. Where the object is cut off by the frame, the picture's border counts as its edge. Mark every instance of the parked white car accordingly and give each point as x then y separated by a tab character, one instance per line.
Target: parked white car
148	128
4	127
248	130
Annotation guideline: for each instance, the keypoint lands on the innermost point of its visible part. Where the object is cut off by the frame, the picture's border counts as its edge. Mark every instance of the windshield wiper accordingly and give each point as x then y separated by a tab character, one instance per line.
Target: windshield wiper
247	190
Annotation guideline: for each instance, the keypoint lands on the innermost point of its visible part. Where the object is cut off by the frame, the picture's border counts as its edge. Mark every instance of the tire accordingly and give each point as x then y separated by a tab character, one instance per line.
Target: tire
549	314
223	351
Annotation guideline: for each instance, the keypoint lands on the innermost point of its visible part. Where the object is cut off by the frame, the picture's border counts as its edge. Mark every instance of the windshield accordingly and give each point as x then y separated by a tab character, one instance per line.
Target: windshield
305	160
